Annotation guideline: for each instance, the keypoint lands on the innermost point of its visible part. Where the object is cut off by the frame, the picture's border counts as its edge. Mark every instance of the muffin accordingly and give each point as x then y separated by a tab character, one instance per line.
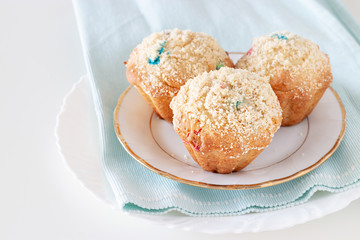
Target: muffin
299	72
164	61
226	118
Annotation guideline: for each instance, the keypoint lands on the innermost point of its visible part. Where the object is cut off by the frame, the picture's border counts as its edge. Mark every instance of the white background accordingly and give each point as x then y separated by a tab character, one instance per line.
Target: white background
40	60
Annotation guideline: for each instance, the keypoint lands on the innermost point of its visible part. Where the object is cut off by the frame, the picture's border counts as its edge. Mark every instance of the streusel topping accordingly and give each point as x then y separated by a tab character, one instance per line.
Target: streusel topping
166	60
230	101
286	52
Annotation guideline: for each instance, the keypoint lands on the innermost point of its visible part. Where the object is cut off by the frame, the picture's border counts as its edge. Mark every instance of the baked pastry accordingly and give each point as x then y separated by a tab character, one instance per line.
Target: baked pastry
164	61
299	72
226	118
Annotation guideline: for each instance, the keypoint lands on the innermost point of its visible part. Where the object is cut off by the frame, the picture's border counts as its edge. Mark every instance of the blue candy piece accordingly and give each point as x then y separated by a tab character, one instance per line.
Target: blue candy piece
155	61
281	37
160	51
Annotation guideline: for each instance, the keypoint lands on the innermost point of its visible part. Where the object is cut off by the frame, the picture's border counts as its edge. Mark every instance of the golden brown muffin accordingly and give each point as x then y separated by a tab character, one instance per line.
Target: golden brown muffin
226	118
299	72
164	61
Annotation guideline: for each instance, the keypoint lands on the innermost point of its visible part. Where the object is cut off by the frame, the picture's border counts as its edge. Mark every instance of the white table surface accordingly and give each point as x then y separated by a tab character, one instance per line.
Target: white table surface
40	60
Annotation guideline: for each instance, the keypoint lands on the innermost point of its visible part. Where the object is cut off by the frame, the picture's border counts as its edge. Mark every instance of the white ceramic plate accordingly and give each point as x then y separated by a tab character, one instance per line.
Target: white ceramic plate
77	140
293	152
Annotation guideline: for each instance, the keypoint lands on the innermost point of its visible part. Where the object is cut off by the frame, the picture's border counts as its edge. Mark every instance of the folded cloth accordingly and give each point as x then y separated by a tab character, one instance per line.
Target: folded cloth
111	29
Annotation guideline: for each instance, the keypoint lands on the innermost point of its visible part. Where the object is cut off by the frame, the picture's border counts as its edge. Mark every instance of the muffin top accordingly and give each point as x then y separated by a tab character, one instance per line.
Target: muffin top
230	102
166	60
282	55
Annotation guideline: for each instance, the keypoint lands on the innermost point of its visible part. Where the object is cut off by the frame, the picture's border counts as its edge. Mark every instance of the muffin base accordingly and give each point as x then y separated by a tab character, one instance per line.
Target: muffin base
160	104
298	103
204	146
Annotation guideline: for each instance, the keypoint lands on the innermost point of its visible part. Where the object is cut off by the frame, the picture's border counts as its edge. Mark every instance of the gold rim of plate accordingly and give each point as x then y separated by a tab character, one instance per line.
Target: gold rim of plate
235	186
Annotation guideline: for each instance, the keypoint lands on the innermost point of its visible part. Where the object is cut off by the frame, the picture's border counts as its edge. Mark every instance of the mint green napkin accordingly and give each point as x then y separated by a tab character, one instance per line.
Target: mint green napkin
111	29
